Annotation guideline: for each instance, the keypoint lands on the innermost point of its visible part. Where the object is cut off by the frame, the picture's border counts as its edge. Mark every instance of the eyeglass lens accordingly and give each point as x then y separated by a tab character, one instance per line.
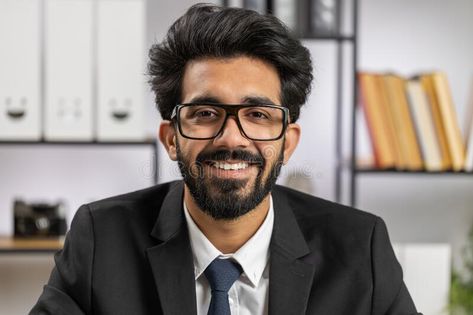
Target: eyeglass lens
257	122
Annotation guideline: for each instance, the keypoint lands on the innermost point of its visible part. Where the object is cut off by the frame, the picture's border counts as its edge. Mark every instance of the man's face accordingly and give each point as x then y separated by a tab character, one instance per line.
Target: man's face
229	175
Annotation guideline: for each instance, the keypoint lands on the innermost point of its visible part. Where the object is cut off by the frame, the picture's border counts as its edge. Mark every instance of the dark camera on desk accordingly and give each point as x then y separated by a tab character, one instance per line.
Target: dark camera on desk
39	219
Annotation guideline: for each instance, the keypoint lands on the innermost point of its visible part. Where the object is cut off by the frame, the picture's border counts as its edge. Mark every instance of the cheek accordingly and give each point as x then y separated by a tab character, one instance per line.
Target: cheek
271	155
270	152
191	148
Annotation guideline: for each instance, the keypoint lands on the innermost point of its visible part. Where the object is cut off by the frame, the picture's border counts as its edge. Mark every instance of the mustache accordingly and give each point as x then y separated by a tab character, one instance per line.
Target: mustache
224	155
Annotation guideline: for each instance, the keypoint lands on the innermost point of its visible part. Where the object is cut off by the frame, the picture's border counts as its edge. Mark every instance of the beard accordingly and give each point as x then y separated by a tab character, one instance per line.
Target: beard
227	198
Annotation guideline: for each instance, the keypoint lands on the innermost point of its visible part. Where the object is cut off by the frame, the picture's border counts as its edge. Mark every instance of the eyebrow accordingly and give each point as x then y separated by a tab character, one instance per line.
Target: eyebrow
209	99
258	100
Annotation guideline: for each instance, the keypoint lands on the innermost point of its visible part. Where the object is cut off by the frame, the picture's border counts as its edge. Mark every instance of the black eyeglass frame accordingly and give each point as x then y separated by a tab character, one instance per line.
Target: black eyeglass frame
231	110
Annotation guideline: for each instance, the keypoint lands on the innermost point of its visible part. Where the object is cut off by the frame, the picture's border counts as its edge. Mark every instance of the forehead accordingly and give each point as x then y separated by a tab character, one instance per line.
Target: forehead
230	80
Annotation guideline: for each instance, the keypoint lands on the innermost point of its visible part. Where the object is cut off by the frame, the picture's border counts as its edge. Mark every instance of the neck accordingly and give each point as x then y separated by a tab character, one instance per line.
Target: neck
227	235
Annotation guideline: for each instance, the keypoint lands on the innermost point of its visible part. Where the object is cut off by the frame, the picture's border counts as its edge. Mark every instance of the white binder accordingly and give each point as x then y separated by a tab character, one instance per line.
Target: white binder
426	274
69	72
121	70
20	70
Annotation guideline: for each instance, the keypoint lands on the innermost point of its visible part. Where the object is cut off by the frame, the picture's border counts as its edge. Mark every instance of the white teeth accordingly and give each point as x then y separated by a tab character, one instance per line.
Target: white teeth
228	166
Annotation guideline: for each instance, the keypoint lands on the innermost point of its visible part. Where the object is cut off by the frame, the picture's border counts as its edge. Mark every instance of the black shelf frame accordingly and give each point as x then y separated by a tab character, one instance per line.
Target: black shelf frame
406	172
44	142
353	162
353	39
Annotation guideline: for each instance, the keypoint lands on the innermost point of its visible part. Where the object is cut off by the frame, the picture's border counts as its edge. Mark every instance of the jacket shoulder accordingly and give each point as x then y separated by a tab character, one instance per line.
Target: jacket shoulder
317	213
144	204
304	204
138	196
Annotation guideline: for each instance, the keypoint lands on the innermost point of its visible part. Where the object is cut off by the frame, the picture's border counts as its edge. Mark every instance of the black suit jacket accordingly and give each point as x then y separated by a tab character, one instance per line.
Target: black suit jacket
130	254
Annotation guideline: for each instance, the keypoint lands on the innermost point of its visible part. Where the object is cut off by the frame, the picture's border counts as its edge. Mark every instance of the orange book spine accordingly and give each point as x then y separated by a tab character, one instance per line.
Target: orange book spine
393	121
372	107
412	148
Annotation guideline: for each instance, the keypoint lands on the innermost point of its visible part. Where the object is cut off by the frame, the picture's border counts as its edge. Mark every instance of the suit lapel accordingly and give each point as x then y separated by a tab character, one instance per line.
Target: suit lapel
173	267
171	261
290	278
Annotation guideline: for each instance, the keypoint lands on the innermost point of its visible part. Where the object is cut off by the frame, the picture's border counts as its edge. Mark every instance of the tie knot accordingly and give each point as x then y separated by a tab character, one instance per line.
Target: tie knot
222	273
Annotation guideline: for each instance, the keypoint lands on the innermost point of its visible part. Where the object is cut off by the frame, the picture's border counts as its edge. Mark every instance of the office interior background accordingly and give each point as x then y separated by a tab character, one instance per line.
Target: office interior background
428	215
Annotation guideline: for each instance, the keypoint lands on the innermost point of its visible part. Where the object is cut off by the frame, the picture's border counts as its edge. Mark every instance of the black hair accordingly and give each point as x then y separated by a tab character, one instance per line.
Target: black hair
212	31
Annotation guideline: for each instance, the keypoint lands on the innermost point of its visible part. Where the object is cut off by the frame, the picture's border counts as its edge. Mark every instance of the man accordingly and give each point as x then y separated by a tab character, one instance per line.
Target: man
229	84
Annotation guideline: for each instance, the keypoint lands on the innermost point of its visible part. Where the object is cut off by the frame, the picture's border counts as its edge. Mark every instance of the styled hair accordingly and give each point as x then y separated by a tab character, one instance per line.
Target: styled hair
207	31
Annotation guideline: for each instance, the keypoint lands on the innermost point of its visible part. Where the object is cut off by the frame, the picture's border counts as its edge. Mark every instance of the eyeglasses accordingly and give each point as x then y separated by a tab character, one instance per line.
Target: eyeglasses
256	122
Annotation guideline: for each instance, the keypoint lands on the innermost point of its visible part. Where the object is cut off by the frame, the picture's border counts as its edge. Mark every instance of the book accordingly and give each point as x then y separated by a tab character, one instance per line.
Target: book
450	122
427	85
404	128
469	134
374	109
390	124
424	125
364	150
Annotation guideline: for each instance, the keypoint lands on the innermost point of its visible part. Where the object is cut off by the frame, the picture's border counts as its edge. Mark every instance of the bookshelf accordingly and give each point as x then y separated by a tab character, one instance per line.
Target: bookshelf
410	133
384	50
100	101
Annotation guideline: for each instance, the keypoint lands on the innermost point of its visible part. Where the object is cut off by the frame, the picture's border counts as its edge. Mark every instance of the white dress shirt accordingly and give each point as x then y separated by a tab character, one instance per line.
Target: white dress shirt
249	294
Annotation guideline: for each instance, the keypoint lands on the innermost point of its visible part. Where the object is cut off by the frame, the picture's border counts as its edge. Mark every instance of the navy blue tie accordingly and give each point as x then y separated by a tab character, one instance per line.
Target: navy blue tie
221	274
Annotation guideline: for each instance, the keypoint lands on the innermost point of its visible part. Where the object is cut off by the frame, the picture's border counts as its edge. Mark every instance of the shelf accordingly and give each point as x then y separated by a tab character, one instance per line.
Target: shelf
30	245
146	142
390	171
84	143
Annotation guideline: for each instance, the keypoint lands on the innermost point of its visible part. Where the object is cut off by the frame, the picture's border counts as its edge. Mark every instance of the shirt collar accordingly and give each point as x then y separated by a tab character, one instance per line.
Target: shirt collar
253	256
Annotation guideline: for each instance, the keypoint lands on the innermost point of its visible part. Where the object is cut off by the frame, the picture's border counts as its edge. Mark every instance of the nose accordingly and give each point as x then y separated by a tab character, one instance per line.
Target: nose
231	136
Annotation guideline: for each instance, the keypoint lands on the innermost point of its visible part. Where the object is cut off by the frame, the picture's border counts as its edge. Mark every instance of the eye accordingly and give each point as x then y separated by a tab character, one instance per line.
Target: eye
260	115
204	113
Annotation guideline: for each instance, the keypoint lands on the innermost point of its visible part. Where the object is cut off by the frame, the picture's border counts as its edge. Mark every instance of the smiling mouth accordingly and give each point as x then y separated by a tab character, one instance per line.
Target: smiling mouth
230	166
120	115
16	114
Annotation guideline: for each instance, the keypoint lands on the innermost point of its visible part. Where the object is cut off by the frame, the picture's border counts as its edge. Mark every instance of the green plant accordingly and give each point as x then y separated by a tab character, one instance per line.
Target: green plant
461	290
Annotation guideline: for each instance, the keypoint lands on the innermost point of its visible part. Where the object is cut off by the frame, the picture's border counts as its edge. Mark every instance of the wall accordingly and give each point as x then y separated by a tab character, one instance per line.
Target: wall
405	36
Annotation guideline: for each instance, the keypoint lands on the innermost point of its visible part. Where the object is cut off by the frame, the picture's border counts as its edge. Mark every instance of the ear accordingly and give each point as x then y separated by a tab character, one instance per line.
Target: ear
293	134
167	136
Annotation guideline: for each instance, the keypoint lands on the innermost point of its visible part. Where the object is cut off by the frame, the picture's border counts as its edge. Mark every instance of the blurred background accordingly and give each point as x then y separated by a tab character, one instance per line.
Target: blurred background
78	123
